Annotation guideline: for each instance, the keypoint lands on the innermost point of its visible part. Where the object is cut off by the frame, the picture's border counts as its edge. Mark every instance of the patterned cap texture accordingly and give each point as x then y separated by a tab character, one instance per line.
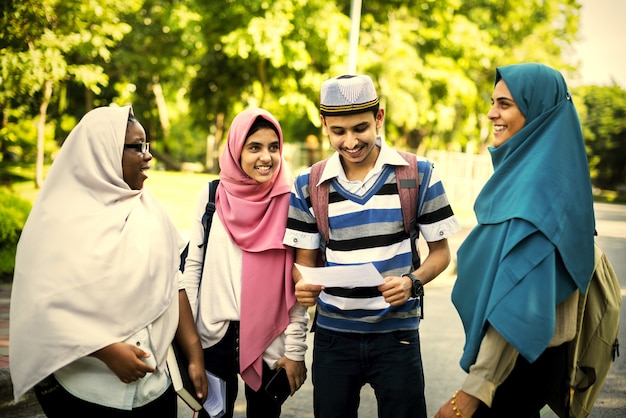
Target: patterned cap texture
348	94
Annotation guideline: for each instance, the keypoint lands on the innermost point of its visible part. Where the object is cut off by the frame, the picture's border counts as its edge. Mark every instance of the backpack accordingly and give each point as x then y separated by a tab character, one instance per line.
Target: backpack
595	345
408	189
207	219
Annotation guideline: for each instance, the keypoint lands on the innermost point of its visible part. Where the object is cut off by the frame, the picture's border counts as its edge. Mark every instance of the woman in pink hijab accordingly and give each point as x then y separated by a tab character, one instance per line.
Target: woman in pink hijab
242	295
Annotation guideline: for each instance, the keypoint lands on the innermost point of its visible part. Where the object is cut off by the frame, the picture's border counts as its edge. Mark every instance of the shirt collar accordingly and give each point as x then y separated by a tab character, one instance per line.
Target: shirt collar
387	156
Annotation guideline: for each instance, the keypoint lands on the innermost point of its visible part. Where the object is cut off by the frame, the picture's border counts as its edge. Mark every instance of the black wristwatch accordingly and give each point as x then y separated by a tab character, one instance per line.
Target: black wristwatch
417	290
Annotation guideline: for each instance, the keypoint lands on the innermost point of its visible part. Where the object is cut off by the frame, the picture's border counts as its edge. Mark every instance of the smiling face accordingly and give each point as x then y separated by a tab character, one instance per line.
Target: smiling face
506	117
134	162
260	156
354	136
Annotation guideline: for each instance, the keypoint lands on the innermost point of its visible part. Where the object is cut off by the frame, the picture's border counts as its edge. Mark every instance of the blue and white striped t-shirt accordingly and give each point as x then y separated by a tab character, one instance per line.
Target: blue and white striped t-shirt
366	226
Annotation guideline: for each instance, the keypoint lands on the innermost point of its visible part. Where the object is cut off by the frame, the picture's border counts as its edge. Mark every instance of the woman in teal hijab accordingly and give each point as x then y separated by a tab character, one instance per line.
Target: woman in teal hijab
521	269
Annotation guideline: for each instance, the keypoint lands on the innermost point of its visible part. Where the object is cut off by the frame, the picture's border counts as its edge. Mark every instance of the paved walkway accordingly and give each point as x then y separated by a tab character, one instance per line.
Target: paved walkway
5	297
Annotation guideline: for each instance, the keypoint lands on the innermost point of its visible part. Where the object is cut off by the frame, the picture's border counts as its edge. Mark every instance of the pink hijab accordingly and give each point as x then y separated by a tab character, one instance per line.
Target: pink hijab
255	216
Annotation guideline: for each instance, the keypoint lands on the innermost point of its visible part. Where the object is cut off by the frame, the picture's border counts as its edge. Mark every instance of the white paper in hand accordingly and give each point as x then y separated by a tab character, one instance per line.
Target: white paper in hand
361	275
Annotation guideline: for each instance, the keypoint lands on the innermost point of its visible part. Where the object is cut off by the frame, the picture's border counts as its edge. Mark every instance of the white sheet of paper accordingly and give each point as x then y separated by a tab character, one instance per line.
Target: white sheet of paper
342	276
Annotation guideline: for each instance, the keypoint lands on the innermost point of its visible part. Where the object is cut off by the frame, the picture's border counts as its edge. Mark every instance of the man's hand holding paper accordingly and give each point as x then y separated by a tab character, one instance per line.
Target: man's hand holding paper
316	279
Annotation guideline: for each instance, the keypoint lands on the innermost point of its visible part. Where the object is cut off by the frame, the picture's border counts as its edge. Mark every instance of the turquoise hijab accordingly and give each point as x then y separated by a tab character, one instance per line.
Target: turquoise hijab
533	244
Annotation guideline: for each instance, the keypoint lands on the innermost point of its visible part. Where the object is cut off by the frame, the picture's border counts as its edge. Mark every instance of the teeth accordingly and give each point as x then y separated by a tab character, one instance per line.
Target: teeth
499	128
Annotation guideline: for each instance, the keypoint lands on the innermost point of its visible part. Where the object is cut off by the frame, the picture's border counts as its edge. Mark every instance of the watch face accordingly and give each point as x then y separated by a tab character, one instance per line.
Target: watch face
418	289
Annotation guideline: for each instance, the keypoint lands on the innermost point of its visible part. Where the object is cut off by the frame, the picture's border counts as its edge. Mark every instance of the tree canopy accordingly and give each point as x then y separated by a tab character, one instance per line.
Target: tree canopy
189	66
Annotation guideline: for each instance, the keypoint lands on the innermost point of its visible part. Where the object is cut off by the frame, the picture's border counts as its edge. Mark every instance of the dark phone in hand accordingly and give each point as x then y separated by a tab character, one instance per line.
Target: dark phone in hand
278	386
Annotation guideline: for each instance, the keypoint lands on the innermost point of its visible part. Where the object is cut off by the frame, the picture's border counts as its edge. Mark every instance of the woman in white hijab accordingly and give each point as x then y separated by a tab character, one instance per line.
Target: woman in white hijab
97	297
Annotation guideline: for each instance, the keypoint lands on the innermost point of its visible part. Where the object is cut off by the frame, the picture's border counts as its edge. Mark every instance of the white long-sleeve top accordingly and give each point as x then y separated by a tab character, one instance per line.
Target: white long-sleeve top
215	295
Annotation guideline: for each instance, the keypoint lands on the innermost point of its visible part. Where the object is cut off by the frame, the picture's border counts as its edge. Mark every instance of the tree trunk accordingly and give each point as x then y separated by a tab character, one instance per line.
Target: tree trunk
41	130
161	106
4	118
213	145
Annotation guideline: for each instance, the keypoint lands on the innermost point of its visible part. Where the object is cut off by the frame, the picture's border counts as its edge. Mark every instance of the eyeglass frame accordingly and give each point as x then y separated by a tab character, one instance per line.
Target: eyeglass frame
142	147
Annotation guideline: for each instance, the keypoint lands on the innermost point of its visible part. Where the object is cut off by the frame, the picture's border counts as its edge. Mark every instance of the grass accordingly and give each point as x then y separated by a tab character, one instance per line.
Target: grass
177	192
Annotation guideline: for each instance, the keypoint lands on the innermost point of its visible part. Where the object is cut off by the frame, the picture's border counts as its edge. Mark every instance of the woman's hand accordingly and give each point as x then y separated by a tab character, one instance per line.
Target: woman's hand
125	360
465	404
189	342
199	379
296	372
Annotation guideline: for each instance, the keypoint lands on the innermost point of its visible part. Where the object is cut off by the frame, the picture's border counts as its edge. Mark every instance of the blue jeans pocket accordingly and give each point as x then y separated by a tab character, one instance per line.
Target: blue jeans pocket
324	340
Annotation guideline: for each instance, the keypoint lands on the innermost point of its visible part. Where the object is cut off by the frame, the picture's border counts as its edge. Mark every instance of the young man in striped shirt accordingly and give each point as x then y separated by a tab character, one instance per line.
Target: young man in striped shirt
364	334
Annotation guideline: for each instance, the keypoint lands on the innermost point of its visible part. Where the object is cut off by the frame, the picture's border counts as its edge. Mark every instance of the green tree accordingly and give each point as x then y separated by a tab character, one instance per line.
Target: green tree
269	54
152	68
47	43
604	125
188	66
435	59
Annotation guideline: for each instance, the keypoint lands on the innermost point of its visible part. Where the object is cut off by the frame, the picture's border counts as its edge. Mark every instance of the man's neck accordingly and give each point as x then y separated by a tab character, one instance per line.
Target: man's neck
358	171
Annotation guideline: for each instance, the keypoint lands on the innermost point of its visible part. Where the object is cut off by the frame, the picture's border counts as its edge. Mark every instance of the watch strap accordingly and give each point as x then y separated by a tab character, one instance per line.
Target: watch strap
417	287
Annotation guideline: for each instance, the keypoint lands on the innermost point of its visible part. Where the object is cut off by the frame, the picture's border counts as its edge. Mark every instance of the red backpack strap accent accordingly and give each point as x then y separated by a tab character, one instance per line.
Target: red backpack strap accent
408	188
407	177
319	197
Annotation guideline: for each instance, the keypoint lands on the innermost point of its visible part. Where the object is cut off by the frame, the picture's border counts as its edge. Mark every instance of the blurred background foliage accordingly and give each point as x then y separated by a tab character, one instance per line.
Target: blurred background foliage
189	66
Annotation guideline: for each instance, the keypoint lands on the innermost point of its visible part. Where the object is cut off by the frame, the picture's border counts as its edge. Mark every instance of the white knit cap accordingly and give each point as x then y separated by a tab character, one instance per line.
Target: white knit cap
348	94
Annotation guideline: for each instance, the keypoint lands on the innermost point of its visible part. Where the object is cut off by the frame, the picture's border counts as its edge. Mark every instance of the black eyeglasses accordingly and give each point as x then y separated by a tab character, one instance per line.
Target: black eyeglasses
142	147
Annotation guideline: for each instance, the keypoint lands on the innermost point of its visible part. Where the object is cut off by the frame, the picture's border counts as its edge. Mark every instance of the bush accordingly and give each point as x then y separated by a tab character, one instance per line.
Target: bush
13	214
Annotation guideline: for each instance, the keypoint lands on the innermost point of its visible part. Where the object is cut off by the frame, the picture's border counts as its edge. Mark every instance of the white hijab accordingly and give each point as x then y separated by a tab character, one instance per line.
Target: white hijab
96	261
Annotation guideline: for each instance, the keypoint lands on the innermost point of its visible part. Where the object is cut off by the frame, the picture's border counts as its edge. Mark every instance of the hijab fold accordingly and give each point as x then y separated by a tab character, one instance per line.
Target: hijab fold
96	261
533	244
255	217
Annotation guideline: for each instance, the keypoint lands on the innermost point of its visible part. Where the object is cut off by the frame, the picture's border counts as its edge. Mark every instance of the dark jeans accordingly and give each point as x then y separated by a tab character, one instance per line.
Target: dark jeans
390	362
530	386
223	361
57	402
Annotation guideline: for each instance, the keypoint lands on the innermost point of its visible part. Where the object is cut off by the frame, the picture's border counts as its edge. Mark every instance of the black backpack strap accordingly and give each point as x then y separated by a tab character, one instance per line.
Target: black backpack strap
207	219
